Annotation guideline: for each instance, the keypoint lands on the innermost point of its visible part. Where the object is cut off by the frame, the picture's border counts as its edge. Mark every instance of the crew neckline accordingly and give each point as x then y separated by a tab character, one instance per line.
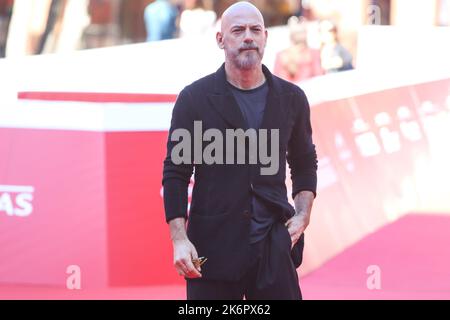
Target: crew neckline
250	90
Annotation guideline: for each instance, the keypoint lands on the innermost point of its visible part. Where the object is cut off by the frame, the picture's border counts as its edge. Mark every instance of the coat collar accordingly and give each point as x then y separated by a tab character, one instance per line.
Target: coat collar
225	103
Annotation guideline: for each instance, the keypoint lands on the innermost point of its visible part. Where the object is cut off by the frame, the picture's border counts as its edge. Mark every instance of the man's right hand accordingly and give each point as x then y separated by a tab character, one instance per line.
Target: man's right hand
184	252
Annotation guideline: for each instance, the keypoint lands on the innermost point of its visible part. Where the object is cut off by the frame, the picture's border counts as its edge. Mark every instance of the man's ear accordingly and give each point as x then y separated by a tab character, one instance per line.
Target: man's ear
219	39
267	36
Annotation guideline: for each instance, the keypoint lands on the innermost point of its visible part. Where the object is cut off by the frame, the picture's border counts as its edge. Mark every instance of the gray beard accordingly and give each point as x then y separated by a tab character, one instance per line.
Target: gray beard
247	62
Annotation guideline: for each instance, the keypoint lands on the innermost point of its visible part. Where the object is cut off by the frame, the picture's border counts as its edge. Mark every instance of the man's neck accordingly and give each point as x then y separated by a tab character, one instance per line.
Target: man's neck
245	79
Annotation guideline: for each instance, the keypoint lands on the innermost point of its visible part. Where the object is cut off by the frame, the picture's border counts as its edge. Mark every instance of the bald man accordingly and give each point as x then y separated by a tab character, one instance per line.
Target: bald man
240	221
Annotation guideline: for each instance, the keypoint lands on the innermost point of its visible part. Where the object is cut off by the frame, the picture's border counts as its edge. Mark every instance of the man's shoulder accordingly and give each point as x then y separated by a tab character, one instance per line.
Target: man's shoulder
300	101
287	87
203	85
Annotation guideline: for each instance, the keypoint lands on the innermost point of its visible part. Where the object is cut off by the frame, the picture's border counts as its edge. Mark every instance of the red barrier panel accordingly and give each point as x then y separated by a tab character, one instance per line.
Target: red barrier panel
52	206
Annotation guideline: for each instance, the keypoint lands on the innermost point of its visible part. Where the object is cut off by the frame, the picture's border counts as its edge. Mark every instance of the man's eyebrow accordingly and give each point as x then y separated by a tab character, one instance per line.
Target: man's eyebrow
243	26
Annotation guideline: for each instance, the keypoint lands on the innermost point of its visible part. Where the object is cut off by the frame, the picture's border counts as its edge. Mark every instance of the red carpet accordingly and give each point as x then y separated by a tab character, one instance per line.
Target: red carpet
412	254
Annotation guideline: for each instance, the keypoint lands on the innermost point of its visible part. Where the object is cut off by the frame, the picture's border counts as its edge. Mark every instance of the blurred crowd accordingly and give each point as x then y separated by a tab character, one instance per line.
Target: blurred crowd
315	48
165	20
53	26
323	33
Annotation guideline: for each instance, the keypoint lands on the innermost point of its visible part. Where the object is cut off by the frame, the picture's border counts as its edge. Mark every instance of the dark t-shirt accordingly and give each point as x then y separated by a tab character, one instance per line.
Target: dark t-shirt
253	104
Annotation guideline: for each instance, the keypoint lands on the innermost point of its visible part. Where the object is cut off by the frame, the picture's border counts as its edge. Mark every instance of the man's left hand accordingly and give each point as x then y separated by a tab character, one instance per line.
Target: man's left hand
300	221
296	226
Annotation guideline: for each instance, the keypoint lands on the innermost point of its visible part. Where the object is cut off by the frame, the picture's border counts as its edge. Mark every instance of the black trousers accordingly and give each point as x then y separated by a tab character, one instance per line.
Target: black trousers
271	274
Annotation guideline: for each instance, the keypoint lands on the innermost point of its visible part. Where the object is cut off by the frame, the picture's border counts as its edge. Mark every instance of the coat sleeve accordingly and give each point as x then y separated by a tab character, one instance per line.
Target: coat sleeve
301	154
176	177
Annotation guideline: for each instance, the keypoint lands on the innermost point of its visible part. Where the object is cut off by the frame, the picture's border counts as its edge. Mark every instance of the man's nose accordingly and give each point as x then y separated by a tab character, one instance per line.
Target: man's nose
248	36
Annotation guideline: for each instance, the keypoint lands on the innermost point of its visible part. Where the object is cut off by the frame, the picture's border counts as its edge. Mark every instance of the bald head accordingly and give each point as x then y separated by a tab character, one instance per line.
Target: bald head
239	12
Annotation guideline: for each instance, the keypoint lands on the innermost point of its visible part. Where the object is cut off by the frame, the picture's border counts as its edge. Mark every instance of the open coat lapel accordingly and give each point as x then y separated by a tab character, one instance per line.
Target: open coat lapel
225	104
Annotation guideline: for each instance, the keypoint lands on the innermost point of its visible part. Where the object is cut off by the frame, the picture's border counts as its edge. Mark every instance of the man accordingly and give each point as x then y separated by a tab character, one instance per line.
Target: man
240	218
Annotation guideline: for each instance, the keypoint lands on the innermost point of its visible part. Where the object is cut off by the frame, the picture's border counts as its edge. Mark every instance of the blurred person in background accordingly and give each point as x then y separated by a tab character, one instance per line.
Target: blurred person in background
196	20
160	19
333	55
299	61
5	16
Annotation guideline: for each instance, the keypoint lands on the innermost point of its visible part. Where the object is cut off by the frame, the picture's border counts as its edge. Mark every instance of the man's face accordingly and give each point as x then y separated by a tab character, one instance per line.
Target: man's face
244	38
